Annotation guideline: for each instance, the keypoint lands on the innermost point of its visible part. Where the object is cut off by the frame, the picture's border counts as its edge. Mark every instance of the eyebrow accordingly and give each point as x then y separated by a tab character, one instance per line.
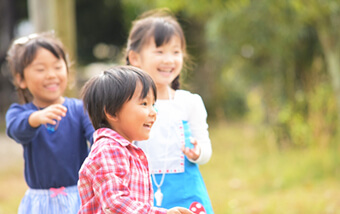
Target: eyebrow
42	62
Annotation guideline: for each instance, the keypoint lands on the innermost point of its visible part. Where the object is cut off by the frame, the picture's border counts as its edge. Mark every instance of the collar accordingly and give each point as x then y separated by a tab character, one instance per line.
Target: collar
110	133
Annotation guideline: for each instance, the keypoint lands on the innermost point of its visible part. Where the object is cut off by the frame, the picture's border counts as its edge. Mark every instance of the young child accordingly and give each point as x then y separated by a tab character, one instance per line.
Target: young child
114	178
156	44
52	129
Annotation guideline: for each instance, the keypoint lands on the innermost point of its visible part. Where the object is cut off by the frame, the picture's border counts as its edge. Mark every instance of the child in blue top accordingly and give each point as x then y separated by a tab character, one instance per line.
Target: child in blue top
156	44
52	129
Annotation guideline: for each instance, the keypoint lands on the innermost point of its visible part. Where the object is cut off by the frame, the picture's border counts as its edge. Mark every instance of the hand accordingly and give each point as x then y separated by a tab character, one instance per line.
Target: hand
47	115
194	153
179	210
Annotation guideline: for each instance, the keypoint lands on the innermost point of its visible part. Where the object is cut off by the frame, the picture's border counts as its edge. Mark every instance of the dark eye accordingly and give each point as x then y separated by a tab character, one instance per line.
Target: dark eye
144	103
177	51
40	69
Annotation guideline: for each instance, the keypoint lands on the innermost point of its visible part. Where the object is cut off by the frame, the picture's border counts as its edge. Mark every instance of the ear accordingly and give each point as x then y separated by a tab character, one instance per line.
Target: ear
110	117
134	58
21	82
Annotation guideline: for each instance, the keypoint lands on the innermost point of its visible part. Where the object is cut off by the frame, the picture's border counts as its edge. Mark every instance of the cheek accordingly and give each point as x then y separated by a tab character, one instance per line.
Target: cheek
31	80
63	77
180	59
146	65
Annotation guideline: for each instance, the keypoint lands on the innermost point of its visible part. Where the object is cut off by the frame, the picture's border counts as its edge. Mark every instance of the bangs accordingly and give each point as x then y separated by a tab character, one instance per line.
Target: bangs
33	46
55	50
163	31
54	47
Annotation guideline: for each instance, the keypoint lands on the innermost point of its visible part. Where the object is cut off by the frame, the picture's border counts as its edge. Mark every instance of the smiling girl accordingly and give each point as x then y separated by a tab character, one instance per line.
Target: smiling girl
52	129
179	140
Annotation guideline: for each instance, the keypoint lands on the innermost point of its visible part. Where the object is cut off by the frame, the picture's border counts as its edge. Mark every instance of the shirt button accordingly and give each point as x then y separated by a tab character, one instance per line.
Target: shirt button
141	157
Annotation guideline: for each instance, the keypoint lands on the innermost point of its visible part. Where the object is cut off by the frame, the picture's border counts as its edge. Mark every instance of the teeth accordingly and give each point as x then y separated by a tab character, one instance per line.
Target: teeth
148	124
165	70
52	85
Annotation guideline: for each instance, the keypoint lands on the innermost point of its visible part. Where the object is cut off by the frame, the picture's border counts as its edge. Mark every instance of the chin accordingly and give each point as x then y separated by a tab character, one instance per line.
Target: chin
144	137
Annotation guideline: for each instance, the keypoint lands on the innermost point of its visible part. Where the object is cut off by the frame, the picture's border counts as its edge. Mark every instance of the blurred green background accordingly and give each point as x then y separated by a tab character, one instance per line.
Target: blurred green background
268	72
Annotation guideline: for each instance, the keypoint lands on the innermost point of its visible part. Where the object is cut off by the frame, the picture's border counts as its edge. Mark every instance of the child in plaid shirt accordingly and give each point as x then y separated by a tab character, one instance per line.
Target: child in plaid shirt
115	177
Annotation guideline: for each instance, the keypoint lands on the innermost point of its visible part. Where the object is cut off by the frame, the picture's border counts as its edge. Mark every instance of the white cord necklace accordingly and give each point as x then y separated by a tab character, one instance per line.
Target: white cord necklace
158	193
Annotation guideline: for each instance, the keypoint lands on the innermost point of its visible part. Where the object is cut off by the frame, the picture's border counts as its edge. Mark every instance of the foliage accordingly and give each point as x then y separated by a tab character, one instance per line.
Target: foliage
284	54
99	22
281	49
276	46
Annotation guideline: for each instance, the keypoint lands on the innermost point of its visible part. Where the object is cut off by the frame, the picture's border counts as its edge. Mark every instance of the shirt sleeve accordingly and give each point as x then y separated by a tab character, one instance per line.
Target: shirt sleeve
199	128
111	182
17	126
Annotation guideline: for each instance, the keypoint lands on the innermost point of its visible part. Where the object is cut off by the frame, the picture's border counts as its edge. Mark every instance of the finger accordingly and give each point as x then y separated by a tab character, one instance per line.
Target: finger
49	116
57	110
52	122
52	118
193	141
61	108
186	151
192	155
183	148
47	120
184	210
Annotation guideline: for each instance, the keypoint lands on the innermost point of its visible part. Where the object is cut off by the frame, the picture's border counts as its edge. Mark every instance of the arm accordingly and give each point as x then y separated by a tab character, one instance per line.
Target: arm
199	129
22	124
47	115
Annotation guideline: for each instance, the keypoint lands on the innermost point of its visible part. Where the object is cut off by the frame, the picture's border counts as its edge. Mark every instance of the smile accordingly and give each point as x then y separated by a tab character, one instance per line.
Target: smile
53	86
166	70
148	125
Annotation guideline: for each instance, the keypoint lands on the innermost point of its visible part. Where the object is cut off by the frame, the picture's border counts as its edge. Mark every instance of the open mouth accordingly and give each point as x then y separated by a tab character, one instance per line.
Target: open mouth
169	70
148	125
52	86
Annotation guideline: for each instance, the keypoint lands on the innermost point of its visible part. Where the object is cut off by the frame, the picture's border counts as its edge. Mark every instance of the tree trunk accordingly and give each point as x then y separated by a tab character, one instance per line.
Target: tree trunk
57	15
331	48
7	92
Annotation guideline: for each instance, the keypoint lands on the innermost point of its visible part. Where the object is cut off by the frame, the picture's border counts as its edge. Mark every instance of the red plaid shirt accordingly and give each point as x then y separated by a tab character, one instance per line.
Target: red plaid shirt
114	178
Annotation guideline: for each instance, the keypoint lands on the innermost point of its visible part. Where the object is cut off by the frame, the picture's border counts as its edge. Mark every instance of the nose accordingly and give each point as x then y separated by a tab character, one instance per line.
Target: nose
168	58
50	73
153	111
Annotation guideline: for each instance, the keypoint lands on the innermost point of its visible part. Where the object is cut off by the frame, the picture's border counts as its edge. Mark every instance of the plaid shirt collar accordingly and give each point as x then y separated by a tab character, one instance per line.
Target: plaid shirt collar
110	133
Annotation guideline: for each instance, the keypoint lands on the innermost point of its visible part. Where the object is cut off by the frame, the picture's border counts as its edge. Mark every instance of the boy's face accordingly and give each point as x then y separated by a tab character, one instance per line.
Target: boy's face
45	78
136	117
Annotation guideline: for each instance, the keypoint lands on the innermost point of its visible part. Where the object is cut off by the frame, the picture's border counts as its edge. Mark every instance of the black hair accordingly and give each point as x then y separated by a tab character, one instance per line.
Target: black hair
107	92
23	51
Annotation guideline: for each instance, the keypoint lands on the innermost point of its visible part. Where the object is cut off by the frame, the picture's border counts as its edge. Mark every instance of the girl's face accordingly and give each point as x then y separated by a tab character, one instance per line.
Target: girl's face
136	117
45	78
163	63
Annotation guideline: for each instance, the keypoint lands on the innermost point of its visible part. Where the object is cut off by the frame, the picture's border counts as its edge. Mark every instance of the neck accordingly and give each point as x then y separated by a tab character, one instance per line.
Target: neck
42	104
163	92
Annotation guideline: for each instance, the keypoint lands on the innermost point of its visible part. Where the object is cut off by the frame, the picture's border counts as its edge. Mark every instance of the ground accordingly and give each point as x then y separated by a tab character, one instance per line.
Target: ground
10	152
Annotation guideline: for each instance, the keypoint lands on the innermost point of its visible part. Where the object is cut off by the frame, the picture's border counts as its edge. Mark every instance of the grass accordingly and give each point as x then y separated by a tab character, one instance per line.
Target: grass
12	187
247	174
